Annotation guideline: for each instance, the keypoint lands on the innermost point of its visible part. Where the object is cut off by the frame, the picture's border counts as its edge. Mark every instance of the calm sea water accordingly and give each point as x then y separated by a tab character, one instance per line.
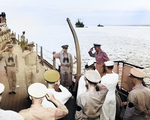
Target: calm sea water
128	43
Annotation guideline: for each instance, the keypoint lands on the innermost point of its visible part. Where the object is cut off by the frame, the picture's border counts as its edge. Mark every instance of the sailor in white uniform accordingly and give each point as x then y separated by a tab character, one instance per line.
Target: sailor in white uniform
110	80
62	94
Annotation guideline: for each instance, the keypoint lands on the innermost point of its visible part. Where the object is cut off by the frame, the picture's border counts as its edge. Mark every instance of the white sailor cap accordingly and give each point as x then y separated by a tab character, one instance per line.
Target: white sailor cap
31	44
91	62
92	76
37	90
2	87
109	63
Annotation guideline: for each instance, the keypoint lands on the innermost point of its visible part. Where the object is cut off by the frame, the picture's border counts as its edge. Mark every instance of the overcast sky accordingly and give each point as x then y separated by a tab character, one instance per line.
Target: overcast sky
91	12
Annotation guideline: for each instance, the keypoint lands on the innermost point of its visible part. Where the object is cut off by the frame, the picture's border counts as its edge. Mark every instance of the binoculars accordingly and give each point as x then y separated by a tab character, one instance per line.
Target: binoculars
66	59
10	59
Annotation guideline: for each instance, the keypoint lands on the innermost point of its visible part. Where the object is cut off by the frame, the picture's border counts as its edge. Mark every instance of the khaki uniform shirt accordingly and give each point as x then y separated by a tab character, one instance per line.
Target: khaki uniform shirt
23	38
30	59
41	113
61	56
10	59
91	104
140	97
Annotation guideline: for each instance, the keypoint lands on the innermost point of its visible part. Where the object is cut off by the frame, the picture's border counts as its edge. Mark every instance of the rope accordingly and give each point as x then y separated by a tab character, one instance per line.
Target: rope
49	58
44	49
47	50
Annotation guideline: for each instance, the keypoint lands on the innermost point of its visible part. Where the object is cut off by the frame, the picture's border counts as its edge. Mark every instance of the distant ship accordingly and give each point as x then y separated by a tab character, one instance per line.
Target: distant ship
99	25
79	24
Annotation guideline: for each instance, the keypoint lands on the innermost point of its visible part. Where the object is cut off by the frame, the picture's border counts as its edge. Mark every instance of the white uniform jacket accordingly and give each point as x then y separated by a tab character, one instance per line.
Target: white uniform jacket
109	106
62	96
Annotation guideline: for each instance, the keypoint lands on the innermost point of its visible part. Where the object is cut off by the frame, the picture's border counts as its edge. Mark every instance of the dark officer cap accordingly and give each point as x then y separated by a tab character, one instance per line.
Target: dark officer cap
97	45
64	46
8	42
10	46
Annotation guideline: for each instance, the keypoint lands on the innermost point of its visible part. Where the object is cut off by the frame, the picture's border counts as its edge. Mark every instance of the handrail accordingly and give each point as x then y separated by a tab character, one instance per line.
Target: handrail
129	64
121	93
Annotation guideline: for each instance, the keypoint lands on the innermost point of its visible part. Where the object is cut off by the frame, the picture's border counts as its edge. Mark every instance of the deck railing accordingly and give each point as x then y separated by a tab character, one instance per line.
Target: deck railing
123	70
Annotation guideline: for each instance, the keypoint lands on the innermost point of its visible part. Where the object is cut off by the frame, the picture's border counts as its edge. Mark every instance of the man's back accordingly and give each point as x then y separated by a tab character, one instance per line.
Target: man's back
91	102
110	81
41	113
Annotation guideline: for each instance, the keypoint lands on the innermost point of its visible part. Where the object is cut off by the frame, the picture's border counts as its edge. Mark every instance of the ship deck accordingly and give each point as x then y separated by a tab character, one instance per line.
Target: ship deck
18	101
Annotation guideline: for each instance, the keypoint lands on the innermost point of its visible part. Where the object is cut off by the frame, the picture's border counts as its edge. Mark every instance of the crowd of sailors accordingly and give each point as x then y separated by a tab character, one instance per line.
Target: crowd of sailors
95	95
